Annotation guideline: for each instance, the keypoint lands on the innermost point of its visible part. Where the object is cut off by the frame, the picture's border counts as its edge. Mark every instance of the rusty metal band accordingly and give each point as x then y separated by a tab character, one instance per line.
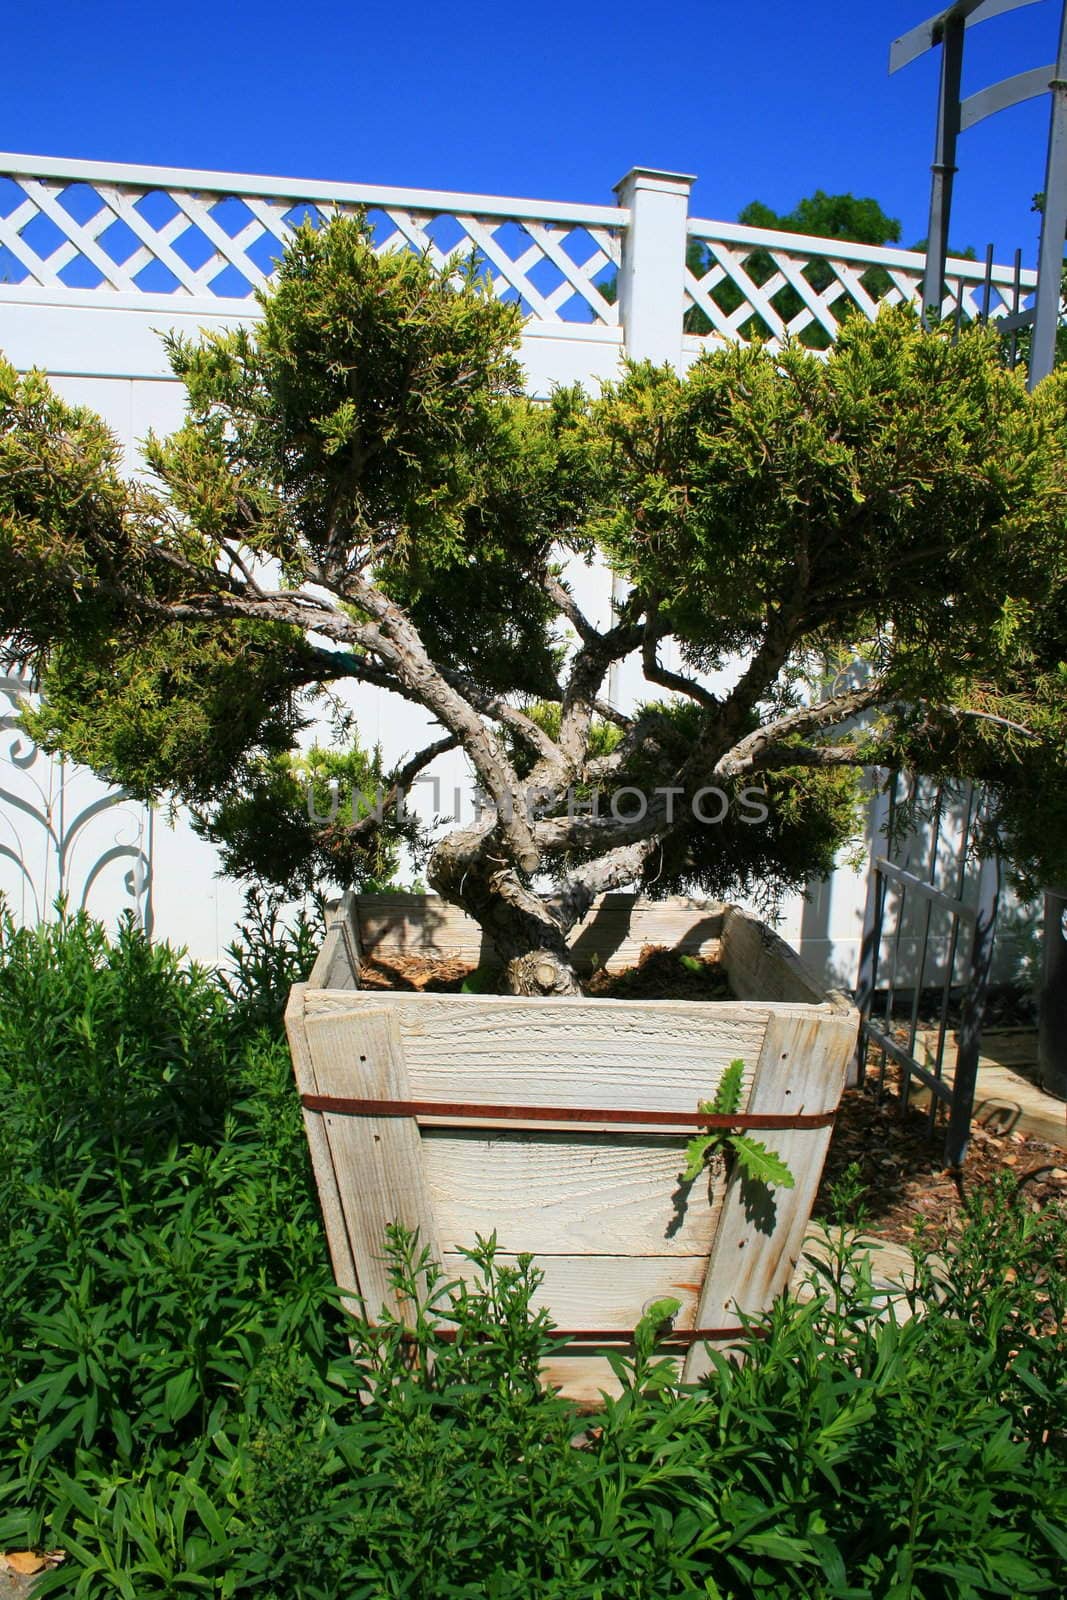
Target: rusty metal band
682	1337
464	1112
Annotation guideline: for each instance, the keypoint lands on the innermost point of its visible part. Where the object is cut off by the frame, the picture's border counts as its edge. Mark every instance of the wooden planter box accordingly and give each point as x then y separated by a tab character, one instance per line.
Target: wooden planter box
597	1202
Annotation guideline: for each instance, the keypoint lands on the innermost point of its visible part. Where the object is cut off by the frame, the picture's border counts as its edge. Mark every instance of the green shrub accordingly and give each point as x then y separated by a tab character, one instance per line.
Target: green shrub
163	1249
182	1410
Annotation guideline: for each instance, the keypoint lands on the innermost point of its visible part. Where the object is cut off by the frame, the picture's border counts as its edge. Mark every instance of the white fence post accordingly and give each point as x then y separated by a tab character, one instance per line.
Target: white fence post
652	279
651	290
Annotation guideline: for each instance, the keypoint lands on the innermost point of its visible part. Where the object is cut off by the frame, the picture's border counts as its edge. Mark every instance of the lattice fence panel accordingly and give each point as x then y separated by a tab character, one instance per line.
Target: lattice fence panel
737	292
61	235
557	272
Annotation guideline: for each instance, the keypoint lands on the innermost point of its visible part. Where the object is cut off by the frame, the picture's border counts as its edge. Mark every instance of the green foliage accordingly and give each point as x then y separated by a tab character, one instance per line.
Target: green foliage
60	492
193	710
602	738
828	216
349	396
268	955
1020	344
377	411
478	602
182	1410
772	834
848	1456
374	414
165	1264
878	454
293	820
939	565
760	1165
888	510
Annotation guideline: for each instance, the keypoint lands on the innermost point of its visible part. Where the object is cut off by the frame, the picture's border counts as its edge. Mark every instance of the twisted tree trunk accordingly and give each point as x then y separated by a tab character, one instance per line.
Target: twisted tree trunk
470	871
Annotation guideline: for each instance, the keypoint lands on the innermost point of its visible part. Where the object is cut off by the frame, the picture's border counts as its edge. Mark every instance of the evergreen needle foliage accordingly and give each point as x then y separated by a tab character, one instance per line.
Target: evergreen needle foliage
866	543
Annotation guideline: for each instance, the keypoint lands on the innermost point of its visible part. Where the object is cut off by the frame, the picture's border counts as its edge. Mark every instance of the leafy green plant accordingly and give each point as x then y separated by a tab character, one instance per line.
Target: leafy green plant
483	980
269	954
185	1409
756	1161
163	1245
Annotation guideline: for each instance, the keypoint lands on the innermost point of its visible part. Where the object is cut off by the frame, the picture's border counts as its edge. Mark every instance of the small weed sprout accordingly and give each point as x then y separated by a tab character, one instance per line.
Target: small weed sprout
757	1162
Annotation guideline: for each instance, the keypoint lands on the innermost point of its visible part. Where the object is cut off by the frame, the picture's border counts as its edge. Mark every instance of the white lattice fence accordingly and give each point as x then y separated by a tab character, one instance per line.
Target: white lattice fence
752	282
556	272
78	227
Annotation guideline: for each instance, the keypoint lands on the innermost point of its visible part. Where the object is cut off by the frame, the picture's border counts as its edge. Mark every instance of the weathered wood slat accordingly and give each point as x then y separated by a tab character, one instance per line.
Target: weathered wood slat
567	1194
337	963
801	1069
651	1055
605	1291
761	966
333	1211
585	1379
612	935
377	1160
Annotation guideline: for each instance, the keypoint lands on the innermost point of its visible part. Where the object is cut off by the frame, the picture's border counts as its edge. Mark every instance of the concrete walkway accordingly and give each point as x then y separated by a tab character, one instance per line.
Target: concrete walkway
1009	1098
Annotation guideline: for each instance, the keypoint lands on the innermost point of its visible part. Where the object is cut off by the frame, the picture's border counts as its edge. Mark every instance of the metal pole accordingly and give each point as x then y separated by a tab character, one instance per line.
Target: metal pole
965	1079
944	166
931	878
1016	296
953	946
987	283
870	952
1052	1036
868	974
1053	224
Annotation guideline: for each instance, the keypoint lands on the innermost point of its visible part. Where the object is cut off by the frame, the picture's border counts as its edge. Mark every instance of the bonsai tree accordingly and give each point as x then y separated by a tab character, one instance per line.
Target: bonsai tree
833	562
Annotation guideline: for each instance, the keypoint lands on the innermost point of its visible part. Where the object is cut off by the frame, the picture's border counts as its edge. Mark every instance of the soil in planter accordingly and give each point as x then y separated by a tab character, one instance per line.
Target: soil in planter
660	974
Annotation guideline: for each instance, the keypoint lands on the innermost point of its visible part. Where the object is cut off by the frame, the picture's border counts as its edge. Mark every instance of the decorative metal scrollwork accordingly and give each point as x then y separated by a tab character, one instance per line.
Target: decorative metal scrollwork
63	834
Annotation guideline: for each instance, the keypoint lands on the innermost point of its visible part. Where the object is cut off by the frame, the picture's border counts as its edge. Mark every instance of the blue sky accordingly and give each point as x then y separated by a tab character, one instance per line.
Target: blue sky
765	100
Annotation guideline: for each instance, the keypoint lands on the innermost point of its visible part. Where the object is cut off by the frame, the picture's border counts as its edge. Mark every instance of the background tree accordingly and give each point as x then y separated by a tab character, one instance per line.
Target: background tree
361	492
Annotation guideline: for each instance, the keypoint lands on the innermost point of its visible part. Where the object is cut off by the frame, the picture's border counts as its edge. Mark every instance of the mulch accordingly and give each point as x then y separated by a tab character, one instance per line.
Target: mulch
902	1165
660	974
